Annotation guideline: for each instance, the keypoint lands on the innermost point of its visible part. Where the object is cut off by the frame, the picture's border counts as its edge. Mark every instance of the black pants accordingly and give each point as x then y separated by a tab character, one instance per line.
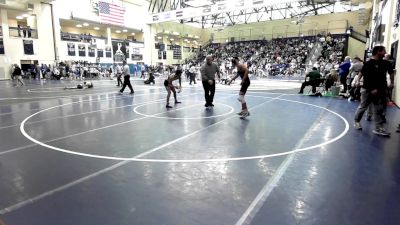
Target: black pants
343	81
313	83
209	91
192	78
127	82
119	80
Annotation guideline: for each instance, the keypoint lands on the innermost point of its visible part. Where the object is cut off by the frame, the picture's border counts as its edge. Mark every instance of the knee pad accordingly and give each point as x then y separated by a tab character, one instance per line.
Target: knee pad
241	99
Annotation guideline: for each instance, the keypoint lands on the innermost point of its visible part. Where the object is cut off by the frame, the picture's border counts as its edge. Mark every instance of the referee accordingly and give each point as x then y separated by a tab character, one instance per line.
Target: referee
208	71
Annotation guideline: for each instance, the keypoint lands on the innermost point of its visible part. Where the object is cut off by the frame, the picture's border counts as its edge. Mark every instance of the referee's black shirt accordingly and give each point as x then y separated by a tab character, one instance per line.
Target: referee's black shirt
374	74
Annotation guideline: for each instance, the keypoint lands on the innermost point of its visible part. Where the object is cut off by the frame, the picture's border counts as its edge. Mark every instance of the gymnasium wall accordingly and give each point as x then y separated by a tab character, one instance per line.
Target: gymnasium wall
356	48
13	46
391	35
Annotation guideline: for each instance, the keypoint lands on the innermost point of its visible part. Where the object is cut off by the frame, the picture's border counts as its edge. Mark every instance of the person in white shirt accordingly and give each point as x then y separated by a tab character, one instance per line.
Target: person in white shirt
119	74
127	76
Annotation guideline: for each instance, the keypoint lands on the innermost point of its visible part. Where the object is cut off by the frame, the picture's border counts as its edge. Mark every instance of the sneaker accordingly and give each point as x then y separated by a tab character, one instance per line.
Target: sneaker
120	93
176	102
240	113
132	93
357	126
168	107
300	92
369	118
381	131
212	105
245	114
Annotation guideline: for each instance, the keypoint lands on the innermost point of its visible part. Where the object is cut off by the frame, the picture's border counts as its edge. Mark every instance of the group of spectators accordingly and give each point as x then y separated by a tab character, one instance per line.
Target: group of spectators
371	83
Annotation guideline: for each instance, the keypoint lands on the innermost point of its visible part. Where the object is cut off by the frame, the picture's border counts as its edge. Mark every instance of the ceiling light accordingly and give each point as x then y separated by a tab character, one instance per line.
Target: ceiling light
177	43
171	39
167	31
78	25
159	37
133	34
25	15
118	31
175	33
196	36
190	35
186	40
96	28
85	24
19	17
124	30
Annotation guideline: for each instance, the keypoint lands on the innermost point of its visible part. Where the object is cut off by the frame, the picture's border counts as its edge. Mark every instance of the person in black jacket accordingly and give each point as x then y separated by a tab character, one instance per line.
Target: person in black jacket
374	88
18	74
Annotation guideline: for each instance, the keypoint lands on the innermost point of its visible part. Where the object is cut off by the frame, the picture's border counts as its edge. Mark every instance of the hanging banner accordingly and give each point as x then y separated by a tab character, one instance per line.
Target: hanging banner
92	52
82	50
28	47
100	53
159	54
1	46
120	50
136	57
219	7
108	52
71	49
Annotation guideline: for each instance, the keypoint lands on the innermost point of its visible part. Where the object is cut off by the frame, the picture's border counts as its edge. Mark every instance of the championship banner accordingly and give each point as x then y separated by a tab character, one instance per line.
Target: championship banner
108	52
82	50
71	49
28	47
100	53
92	52
1	46
120	50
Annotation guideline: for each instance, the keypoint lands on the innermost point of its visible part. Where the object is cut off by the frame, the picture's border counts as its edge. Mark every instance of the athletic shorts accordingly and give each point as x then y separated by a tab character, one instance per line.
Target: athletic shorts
166	83
245	85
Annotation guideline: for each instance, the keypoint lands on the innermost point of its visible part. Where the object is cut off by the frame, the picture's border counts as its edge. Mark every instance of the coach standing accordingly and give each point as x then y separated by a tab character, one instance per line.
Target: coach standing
208	71
373	90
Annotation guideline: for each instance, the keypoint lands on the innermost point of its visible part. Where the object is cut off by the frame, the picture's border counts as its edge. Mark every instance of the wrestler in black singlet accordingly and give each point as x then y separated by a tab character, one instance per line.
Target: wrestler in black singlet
246	82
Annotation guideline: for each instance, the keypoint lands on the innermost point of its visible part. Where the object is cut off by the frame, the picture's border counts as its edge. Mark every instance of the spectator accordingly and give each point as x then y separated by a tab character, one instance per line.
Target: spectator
343	72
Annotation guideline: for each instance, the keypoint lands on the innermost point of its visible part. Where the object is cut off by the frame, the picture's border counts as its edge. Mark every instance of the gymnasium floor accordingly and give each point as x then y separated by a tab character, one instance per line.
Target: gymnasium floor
88	157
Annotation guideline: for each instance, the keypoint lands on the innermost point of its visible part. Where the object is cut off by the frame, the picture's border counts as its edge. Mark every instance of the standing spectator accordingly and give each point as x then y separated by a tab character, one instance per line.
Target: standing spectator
127	76
208	71
119	74
192	74
343	72
18	74
374	89
355	68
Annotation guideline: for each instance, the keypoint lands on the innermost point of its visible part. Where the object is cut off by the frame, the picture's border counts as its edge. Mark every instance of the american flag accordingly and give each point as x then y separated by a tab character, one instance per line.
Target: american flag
111	14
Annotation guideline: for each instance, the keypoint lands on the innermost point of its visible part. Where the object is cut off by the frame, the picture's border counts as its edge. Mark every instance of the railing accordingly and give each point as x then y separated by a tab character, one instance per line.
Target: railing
23	32
257	34
358	36
78	37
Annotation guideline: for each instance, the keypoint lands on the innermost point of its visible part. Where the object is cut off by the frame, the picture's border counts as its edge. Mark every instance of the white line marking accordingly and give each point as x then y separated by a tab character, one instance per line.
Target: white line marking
185	118
78	114
22	128
262	196
84	132
110	168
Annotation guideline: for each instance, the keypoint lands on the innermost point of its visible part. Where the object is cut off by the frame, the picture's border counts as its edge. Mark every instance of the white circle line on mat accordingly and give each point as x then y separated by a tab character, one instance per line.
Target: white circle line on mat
184	118
136	159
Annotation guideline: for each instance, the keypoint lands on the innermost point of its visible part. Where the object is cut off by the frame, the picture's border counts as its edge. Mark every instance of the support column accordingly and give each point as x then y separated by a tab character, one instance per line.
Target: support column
109	43
5	60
